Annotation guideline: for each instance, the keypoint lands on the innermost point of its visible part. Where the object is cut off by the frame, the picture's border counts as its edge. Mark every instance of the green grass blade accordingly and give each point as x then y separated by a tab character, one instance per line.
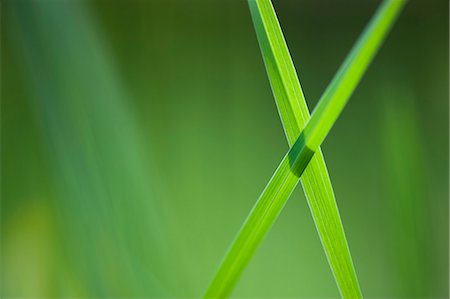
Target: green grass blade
286	177
350	73
294	114
262	216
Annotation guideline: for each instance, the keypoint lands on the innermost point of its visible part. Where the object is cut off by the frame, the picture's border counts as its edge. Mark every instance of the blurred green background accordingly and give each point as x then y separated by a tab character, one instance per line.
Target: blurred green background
137	135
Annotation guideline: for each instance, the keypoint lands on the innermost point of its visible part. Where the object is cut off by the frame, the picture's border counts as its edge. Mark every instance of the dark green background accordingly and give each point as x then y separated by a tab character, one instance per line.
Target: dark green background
137	135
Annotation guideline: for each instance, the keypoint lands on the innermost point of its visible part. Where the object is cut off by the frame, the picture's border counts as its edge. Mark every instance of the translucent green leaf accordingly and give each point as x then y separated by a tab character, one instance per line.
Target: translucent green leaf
287	175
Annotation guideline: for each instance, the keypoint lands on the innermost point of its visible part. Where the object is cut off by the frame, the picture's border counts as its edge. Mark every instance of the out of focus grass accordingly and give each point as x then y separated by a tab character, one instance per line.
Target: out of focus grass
407	210
182	80
110	219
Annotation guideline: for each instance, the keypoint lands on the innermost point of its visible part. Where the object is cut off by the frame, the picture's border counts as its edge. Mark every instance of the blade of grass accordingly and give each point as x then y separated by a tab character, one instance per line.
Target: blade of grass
294	114
286	177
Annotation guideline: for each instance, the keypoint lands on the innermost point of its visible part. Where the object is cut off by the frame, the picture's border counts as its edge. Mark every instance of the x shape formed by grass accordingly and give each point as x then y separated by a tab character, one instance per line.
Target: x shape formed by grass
304	159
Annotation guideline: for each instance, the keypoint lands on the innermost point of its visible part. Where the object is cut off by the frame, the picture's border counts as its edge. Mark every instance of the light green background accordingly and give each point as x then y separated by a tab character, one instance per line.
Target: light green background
136	136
